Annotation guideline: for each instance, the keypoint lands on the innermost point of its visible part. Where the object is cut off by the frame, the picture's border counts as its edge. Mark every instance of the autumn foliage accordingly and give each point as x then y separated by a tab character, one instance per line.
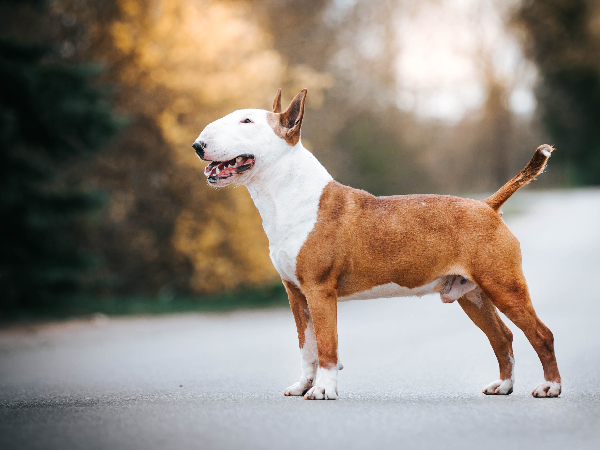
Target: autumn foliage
178	66
170	67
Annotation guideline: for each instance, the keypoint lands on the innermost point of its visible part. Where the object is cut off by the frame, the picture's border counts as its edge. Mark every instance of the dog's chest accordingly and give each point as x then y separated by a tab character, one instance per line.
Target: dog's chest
288	219
288	201
287	234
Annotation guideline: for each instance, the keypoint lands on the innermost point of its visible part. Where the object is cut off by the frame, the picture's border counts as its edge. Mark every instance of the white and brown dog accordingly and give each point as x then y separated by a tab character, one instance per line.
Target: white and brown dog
333	243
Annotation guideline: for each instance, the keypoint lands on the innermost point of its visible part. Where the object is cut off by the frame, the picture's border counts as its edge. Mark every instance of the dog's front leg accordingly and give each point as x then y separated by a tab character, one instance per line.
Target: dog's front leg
306	340
322	304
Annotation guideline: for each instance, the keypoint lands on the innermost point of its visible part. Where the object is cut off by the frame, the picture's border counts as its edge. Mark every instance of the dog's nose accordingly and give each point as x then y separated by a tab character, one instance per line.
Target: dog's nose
199	146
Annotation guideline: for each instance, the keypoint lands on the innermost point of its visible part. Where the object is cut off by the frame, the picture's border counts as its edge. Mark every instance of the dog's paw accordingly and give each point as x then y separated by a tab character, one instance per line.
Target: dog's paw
500	387
321	393
547	389
325	387
298	388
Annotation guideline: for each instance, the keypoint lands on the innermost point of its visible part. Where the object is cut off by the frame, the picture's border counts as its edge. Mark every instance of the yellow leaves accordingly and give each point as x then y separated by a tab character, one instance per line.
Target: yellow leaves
211	51
179	135
227	250
130	8
304	76
121	33
186	63
214	53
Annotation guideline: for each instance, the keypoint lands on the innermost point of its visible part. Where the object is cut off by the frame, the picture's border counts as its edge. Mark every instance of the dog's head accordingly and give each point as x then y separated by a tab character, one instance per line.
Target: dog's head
241	143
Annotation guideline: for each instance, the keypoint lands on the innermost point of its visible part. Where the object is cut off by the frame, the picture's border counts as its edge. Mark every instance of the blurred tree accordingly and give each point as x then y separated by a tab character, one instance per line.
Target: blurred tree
563	38
50	114
179	65
381	158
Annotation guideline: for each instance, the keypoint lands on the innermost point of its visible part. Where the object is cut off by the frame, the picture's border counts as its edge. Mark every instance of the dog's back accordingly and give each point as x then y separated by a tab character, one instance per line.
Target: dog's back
363	241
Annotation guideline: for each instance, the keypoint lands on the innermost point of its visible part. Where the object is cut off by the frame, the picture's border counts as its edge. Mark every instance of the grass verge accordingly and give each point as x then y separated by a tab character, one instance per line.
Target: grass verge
271	296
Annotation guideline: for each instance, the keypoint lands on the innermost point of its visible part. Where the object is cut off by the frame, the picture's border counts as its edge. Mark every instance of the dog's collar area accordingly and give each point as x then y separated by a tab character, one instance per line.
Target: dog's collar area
219	170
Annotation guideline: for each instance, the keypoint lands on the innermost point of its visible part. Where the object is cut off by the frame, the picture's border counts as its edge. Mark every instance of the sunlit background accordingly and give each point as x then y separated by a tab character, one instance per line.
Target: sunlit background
104	203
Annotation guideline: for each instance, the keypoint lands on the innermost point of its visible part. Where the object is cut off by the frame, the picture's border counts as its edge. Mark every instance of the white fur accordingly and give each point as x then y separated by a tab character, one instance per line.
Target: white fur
286	182
392	290
502	387
325	387
309	362
547	389
287	196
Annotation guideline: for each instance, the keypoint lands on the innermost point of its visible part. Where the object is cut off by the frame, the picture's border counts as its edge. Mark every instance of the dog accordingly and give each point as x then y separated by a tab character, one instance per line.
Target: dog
331	243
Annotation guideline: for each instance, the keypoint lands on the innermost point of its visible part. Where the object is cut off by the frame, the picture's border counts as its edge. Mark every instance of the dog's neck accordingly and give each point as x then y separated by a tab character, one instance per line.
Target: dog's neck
287	194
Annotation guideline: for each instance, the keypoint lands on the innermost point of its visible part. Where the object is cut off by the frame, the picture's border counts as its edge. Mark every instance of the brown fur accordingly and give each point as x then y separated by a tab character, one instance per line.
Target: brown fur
287	124
536	165
486	317
299	309
360	241
277	102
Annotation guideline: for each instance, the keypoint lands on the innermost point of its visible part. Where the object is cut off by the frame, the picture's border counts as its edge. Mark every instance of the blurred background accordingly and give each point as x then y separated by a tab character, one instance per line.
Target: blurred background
104	206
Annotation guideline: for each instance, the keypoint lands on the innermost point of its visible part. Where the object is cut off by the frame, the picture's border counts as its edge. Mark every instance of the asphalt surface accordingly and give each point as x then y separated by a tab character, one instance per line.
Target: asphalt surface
414	368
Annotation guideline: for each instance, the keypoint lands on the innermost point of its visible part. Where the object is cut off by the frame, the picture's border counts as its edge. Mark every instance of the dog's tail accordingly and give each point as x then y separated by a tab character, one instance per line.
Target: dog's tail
535	166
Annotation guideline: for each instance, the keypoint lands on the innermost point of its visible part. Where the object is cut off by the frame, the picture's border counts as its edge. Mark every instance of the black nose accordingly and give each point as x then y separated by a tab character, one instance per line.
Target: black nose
199	147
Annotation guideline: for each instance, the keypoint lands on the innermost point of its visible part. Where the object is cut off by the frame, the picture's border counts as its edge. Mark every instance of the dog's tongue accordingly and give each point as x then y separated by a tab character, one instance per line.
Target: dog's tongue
223	168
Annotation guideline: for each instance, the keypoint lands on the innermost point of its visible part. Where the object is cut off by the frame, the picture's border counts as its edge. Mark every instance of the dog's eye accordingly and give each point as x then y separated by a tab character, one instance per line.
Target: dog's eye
246	121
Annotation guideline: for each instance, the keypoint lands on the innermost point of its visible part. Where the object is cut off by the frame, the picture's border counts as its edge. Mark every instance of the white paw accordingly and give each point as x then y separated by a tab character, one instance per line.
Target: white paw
298	388
325	387
547	389
500	387
321	393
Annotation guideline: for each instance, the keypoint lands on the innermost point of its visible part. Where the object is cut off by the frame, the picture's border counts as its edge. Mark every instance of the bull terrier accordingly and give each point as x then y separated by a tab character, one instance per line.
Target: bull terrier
331	243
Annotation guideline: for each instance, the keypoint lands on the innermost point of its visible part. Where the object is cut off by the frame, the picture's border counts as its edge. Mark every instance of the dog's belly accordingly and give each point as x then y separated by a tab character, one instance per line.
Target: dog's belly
392	290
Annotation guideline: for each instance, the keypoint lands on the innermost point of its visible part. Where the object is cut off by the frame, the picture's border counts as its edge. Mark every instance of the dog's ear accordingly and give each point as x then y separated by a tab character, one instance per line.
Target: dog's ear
287	124
292	117
277	102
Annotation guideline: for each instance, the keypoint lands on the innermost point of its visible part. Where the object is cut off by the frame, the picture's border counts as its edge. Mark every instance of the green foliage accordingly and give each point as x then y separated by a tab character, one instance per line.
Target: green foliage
570	99
562	41
270	296
384	164
50	114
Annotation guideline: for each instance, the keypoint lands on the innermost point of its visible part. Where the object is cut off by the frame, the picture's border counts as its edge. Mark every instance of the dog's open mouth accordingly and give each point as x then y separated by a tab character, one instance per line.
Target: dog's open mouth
219	170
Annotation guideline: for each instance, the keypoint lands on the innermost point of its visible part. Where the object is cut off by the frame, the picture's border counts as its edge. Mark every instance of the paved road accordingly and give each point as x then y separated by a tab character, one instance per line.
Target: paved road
413	368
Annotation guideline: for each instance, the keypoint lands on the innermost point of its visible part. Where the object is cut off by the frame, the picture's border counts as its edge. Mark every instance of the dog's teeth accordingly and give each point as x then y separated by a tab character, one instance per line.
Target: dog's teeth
217	171
238	159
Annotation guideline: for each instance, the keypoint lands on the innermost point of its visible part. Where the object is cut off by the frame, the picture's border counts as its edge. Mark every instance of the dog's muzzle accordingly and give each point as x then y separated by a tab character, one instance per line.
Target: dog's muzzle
199	146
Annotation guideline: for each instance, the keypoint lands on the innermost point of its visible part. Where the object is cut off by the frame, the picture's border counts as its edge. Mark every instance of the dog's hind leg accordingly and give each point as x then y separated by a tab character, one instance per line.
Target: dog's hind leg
306	340
508	291
484	314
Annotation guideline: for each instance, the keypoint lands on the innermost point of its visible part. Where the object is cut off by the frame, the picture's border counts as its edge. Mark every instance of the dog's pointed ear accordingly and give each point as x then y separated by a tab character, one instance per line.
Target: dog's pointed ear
287	124
277	102
292	117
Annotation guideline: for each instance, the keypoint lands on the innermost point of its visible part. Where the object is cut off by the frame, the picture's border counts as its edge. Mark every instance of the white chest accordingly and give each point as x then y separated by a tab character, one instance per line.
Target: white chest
287	238
288	202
